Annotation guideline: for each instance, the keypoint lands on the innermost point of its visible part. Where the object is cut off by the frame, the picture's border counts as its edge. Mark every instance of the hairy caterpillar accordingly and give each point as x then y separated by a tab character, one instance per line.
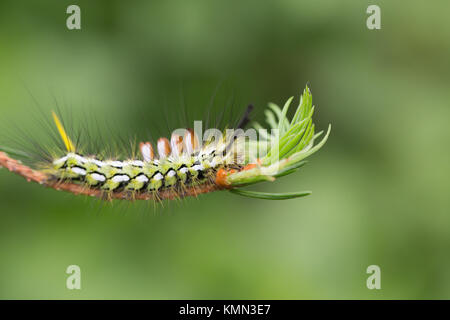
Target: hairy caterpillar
185	165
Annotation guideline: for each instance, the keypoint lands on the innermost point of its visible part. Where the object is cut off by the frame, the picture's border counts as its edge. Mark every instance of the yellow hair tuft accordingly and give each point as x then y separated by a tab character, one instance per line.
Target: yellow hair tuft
65	138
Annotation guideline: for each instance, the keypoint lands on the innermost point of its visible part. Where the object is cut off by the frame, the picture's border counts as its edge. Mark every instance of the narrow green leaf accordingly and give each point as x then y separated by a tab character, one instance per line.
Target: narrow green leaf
305	140
289	168
302	155
270	196
261	131
287	147
285	140
283	122
303	107
270	119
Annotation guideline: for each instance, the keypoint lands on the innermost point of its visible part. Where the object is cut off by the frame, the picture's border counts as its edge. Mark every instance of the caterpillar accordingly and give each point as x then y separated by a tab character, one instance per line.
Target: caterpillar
184	165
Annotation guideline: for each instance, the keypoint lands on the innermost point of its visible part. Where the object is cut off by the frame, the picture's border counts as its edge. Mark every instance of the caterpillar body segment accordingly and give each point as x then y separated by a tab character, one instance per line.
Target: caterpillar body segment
185	165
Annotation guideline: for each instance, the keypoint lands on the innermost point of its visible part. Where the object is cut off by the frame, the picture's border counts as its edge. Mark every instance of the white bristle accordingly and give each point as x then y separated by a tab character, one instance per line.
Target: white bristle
79	171
120	178
146	152
171	173
98	177
158	176
141	178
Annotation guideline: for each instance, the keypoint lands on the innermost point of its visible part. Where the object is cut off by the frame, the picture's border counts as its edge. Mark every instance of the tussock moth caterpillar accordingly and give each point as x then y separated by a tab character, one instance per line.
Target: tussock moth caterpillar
185	164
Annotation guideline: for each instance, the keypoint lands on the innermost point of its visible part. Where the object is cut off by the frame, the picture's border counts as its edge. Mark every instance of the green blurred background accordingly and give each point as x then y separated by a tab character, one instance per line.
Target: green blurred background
380	185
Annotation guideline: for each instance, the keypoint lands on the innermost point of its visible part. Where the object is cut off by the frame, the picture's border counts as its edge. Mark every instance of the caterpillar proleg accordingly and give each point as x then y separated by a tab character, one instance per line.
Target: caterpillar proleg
186	164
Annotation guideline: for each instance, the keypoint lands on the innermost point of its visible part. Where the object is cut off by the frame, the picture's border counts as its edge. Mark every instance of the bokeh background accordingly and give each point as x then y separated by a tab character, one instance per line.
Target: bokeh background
380	185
